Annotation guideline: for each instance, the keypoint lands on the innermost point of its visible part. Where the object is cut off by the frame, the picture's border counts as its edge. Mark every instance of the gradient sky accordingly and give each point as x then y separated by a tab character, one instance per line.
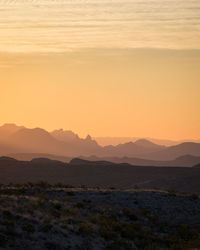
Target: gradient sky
103	67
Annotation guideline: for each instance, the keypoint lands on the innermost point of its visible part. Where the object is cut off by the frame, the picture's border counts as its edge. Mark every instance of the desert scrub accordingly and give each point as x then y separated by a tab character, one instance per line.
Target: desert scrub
72	211
144	212
108	227
71	193
119	244
172	192
55	213
86	229
185	232
3	240
82	204
86	245
89	216
194	196
42	185
57	206
7	214
29	228
43	198
45	227
131	214
52	245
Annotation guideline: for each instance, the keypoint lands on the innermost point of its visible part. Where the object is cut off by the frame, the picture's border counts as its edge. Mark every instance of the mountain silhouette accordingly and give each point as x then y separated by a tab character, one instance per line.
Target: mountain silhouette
8	129
131	149
79	161
170	153
99	174
65	135
23	140
20	140
148	144
182	161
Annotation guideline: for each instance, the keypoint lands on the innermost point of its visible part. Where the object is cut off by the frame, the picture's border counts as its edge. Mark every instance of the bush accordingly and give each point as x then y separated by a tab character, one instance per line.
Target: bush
81	204
108	227
46	227
3	240
86	229
51	245
130	214
194	196
119	245
186	233
172	192
29	228
57	206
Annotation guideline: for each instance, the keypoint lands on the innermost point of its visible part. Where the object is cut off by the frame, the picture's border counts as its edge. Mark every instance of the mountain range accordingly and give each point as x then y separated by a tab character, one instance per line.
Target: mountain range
103	141
182	161
99	174
16	140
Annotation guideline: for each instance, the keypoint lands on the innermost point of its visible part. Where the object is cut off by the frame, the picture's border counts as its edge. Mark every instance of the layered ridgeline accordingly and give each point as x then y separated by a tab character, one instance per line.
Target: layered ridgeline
80	172
25	144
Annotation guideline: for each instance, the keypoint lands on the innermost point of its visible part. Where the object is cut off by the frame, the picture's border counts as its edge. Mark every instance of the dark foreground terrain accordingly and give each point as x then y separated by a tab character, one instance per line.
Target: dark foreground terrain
100	173
40	216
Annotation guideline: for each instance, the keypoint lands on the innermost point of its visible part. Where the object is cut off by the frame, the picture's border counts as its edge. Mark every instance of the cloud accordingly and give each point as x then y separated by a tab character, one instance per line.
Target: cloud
61	26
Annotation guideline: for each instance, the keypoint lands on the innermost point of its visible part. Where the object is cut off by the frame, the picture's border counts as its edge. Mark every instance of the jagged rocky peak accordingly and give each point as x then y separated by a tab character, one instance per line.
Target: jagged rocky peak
88	138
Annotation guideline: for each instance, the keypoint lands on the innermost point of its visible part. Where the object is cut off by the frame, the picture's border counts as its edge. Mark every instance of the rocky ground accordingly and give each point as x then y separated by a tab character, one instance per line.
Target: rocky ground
40	216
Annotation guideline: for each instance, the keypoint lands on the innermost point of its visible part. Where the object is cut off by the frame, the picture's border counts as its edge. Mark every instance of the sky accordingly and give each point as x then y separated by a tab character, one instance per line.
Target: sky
102	67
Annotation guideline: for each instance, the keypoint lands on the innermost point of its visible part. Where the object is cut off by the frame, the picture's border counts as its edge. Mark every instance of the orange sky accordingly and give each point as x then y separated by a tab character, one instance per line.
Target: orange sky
104	92
107	68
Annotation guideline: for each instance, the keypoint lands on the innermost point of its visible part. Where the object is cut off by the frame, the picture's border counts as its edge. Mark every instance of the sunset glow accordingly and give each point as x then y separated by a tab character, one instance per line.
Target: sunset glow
102	67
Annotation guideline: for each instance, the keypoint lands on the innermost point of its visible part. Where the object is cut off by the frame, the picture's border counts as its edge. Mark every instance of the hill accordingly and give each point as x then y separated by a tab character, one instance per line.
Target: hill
100	174
170	153
17	139
30	156
182	161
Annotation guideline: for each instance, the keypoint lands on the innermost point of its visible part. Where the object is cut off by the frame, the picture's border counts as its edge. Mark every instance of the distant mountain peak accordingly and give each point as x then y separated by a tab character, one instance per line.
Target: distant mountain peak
147	143
65	135
34	131
9	125
143	140
6	158
12	127
8	129
88	138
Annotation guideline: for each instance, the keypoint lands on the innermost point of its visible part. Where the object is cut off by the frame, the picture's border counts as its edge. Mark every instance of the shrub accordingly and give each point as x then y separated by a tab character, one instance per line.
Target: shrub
29	228
119	245
3	240
81	204
186	233
108	227
86	229
57	206
70	193
130	214
51	245
194	196
46	227
172	192
84	246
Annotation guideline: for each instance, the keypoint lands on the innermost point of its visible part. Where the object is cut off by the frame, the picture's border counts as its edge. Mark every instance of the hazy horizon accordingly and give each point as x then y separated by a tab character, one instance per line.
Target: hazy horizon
106	139
122	79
